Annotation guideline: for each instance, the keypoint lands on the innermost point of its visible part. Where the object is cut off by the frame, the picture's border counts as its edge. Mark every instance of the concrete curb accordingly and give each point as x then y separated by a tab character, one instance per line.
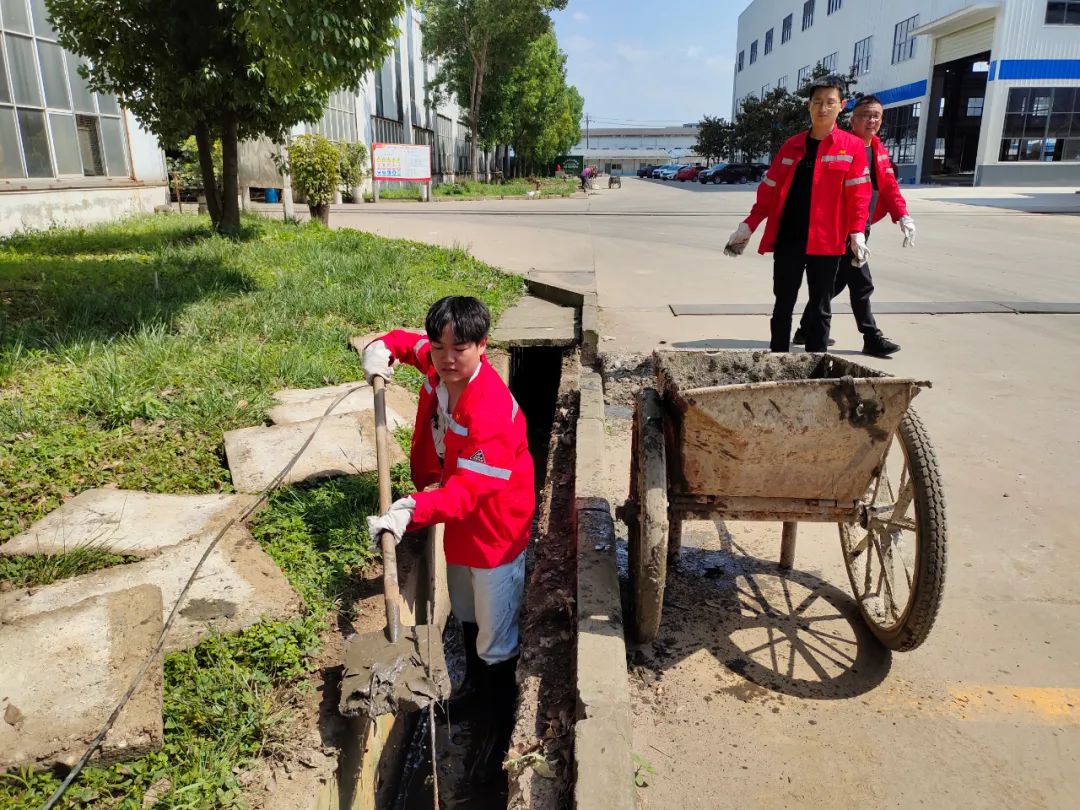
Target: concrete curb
602	734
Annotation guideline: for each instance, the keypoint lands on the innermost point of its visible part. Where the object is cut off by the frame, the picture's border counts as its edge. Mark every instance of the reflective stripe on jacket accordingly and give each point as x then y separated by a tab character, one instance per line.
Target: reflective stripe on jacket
890	200
839	201
485	495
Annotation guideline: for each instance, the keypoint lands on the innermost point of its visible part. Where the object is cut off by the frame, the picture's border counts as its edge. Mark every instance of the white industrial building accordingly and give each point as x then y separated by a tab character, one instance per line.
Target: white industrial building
69	156
624	150
984	91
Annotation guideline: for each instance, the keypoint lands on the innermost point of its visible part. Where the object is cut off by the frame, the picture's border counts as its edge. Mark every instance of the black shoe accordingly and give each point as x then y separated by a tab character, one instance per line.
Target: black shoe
800	338
877	345
497	724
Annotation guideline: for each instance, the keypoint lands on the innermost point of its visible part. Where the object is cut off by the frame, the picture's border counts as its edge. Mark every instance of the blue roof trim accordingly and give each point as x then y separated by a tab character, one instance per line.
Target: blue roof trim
993	70
905	92
1018	69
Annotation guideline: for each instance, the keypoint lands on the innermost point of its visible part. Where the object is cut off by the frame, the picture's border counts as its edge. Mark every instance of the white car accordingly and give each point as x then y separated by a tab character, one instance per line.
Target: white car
670	172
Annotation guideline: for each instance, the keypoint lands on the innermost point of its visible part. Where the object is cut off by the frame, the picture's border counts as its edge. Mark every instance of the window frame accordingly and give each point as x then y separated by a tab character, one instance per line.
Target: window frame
903	40
768	42
740	62
1068	7
1039	112
785	28
807	14
833	6
753	51
860	63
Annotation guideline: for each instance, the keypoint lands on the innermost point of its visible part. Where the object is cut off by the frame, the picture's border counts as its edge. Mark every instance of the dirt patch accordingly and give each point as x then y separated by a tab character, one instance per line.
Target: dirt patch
540	758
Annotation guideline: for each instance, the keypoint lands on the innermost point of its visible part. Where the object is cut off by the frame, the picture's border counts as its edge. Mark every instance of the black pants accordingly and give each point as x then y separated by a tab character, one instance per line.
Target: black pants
788	267
860	287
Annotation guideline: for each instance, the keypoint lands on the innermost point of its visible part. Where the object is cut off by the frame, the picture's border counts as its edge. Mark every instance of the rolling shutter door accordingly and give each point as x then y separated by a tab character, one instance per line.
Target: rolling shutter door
968	42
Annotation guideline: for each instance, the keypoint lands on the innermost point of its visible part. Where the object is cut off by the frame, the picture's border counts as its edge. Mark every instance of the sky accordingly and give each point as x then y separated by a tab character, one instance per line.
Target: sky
650	63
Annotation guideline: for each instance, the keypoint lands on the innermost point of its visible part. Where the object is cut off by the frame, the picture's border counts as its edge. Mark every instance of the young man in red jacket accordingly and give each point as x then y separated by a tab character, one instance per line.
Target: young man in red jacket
815	198
886	198
472	470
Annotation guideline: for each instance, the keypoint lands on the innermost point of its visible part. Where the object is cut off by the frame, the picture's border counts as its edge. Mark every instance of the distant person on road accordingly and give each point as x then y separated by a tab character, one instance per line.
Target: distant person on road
816	200
886	198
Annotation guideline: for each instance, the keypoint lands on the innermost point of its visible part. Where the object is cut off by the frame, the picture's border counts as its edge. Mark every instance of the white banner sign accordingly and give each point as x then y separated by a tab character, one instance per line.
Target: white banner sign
398	161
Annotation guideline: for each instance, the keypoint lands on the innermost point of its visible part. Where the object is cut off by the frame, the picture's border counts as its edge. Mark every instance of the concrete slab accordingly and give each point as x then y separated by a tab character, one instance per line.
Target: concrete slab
1042	307
127	522
880	307
303	404
535	322
64	671
238	586
343	445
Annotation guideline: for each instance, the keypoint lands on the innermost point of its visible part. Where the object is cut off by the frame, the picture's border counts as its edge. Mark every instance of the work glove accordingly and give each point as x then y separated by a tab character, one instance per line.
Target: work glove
907	225
395	521
738	241
859	249
377	360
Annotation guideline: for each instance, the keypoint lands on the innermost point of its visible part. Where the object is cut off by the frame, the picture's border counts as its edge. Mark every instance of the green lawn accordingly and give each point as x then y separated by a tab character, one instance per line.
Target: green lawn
125	353
470	190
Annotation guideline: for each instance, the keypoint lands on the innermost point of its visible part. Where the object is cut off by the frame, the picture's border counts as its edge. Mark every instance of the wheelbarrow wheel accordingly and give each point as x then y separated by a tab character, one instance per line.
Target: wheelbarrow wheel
648	527
896	562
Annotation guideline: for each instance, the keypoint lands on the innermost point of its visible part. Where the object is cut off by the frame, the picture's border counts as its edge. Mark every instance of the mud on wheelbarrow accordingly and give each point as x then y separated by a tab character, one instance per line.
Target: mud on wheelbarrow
749	435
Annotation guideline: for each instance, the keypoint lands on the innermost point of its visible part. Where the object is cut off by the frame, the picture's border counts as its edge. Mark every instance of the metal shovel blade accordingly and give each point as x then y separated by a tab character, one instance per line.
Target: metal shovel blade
384	677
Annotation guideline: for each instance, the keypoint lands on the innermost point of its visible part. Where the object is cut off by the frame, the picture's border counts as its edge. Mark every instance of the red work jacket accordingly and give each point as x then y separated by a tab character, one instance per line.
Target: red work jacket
839	201
890	201
486	496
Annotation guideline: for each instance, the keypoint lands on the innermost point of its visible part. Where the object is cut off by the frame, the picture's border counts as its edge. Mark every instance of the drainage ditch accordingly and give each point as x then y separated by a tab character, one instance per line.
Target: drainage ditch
538	769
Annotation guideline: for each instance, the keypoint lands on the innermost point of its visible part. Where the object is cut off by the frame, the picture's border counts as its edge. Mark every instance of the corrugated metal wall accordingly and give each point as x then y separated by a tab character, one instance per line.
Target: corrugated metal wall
967	42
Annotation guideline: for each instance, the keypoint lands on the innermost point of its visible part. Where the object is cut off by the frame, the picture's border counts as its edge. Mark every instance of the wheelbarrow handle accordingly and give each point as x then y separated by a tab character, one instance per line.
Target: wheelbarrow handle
391	593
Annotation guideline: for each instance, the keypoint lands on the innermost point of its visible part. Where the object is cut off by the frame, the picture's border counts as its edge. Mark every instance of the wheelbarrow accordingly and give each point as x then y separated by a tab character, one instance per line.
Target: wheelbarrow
751	435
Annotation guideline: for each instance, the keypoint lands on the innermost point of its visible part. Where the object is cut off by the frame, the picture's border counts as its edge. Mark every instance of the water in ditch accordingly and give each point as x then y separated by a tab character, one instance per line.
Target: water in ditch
457	737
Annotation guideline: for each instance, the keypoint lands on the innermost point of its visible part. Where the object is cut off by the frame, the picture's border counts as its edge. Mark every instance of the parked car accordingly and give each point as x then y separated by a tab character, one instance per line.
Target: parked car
646	171
726	173
657	171
688	173
670	172
707	175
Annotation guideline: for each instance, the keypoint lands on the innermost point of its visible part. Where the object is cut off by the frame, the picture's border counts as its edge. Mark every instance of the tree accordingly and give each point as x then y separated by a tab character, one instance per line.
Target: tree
224	69
532	108
473	40
716	138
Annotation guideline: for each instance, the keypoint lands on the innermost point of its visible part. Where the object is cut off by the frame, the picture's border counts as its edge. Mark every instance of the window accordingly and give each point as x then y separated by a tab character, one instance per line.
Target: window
834	5
1066	13
768	42
807	14
753	52
785	30
51	124
739	64
861	63
903	42
974	107
1042	123
804	76
941	107
830	62
782	82
900	132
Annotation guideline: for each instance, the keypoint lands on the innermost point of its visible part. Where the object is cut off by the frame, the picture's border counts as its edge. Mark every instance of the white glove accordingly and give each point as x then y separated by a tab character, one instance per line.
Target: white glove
859	249
907	225
377	361
738	241
395	521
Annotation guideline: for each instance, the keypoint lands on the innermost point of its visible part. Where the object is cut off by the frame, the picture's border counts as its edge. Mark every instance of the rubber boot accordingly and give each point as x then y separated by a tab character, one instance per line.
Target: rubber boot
500	692
472	684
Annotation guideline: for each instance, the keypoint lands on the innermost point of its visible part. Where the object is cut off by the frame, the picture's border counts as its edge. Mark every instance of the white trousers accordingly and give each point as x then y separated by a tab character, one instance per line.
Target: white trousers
491	599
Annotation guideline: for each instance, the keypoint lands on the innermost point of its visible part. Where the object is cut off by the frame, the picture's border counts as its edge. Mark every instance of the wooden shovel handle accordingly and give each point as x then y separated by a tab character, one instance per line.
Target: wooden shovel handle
389	546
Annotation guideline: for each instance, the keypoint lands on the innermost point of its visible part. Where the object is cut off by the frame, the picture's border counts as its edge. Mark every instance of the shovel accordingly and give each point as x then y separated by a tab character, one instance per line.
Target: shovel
399	668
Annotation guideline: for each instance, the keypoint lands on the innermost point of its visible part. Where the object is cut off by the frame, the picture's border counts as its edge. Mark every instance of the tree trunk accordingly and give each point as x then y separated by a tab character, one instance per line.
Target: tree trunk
230	202
206	165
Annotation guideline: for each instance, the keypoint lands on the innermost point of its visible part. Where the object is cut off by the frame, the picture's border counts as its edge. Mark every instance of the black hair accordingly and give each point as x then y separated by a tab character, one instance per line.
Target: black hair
864	100
467	316
824	82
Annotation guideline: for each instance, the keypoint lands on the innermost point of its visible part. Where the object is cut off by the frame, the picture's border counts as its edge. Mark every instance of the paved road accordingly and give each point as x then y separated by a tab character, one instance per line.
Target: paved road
987	712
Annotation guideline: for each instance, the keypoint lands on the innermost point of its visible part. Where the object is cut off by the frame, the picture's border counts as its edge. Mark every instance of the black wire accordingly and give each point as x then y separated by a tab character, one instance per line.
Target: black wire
74	773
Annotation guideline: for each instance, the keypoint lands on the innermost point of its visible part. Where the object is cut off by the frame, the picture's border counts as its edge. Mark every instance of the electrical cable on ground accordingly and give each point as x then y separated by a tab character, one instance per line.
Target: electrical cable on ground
154	653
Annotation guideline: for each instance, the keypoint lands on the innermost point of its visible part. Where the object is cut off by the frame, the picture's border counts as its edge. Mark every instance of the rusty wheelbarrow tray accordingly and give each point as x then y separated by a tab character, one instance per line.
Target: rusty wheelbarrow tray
750	435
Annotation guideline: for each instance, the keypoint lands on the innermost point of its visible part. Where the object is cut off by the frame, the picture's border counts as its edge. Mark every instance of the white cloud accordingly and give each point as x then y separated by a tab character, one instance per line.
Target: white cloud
632	53
580	17
693	52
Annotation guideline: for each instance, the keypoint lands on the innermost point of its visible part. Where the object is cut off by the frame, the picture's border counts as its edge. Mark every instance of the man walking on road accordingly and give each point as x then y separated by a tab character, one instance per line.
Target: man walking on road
886	199
816	198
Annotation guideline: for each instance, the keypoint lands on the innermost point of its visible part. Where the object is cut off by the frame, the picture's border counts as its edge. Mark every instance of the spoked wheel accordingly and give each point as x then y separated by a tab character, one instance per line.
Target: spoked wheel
648	524
896	561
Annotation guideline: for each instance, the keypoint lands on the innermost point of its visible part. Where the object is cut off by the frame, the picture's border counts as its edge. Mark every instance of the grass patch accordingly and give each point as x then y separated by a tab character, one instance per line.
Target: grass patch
469	189
125	352
34	570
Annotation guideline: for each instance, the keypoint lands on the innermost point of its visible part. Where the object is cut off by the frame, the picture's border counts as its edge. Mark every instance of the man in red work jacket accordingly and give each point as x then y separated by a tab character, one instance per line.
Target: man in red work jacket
886	199
815	198
472	469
